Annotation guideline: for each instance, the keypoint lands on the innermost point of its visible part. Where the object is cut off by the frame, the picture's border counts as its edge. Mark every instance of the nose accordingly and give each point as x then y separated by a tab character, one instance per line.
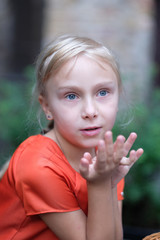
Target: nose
89	109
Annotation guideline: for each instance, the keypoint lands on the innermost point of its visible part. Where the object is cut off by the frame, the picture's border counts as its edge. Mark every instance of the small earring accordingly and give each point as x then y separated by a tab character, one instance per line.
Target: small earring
48	117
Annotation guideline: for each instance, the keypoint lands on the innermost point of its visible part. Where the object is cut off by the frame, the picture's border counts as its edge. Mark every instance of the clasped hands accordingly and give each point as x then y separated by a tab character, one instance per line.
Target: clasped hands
111	159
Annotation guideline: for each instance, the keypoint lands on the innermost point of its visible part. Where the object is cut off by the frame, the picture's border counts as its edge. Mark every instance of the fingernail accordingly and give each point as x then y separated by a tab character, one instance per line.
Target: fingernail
109	133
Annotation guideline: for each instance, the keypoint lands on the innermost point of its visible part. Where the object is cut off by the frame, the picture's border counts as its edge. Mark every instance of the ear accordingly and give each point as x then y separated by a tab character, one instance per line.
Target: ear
45	106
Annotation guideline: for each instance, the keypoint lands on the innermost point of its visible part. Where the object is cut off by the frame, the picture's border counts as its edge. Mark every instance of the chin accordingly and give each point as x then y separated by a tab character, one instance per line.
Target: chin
90	144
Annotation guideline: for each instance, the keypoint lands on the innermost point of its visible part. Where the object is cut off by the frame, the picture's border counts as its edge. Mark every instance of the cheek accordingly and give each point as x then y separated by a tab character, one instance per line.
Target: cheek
110	112
65	111
65	125
112	107
64	118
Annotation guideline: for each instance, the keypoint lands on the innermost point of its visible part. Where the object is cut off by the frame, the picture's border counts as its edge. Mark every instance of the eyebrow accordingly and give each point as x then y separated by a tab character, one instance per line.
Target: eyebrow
68	88
77	88
105	84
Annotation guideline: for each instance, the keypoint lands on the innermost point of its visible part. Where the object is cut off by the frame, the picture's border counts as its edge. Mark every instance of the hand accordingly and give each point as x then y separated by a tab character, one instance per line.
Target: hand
126	162
106	161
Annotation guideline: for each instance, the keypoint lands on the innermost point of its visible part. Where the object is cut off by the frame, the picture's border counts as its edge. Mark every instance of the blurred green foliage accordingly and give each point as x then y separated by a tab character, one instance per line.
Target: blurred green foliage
142	191
18	114
142	188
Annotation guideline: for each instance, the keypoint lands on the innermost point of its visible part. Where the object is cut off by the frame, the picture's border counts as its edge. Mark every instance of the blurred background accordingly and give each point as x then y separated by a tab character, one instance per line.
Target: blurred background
131	28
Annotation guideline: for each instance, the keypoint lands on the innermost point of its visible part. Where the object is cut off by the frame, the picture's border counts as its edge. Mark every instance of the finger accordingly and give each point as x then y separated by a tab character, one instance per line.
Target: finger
129	143
101	156
134	154
119	149
125	161
139	153
132	157
109	146
88	157
84	167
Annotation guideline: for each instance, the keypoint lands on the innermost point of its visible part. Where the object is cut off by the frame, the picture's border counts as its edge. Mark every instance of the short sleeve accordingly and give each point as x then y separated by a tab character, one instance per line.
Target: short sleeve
120	190
44	189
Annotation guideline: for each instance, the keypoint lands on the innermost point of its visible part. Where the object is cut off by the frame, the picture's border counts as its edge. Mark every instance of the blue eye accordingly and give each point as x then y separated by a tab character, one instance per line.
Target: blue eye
71	96
102	93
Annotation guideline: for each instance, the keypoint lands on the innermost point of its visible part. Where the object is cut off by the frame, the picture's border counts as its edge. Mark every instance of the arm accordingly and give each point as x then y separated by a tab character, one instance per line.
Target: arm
114	152
104	217
101	219
117	206
72	225
99	223
119	173
66	226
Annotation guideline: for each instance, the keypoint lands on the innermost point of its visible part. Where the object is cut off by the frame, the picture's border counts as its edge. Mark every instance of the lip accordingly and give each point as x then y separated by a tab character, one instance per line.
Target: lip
91	131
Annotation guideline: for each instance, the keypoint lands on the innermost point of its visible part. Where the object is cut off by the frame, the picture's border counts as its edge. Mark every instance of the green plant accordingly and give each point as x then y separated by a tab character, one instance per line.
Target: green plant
18	115
142	202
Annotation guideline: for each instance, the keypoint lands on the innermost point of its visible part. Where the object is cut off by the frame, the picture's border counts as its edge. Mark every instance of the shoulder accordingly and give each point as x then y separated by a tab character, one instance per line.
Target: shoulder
36	146
32	156
41	170
39	157
37	142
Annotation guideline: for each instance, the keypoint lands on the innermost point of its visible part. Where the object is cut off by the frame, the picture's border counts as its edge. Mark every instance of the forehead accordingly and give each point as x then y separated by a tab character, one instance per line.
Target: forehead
84	67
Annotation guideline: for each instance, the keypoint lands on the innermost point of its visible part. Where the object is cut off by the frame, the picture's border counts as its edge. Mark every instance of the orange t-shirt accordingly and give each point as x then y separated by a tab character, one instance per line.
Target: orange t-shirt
39	180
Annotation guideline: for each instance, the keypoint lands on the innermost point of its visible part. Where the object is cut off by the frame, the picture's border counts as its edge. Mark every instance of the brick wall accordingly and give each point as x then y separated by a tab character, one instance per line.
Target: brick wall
126	26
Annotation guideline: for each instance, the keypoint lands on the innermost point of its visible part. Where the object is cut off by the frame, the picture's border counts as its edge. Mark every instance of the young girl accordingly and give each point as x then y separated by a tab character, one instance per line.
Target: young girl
67	183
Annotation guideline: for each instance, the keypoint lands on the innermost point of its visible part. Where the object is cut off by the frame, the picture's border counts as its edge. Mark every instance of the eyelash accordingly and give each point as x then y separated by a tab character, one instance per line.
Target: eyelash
103	90
71	94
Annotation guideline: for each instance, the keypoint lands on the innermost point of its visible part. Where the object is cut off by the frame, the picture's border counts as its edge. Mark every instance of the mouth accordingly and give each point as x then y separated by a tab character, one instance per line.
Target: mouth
91	131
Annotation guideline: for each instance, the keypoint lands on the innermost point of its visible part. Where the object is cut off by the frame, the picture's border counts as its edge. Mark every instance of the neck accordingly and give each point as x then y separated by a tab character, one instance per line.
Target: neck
72	153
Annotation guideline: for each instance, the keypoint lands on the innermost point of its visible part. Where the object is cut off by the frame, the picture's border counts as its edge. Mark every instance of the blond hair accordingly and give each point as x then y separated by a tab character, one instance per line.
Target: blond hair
58	52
